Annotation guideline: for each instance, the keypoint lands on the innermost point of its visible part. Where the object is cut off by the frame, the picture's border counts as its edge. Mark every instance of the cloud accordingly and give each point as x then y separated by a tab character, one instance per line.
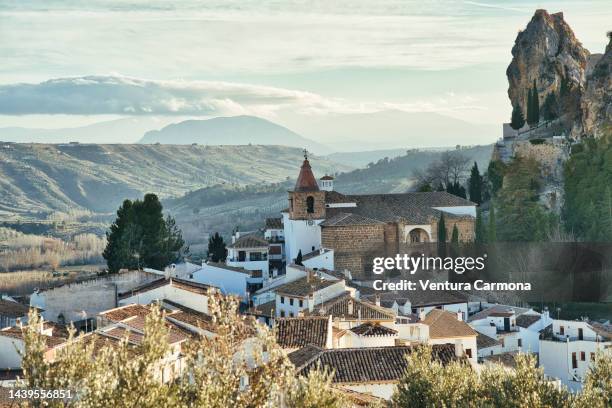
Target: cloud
119	95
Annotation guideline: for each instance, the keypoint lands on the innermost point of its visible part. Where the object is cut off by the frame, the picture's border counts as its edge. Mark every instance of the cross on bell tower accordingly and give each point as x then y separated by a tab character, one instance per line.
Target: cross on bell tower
305	154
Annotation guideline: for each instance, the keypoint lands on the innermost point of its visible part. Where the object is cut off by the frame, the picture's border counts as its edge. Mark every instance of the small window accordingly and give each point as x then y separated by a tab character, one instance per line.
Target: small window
520	342
491	352
290	314
582	356
574	361
282	299
290	301
561	330
310	204
282	313
301	303
468	352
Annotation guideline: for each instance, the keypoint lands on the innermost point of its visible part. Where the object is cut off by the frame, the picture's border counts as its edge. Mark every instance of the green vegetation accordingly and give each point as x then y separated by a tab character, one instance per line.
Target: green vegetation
213	369
141	237
520	217
475	185
517	120
533	106
587	212
550	107
495	175
480	233
217	251
427	383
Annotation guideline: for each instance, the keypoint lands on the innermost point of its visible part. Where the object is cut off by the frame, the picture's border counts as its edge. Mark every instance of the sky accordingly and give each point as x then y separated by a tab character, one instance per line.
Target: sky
70	63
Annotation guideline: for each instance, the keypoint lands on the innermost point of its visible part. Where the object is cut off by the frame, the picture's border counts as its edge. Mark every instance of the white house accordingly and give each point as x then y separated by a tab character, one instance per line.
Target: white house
248	251
12	313
447	327
499	322
321	258
304	293
416	302
12	343
187	293
369	334
230	280
568	348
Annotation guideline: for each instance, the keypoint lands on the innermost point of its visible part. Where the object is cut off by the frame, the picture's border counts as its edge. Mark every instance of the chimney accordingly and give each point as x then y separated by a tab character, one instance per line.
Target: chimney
458	348
351	307
460	316
422	314
377	300
311	302
329	341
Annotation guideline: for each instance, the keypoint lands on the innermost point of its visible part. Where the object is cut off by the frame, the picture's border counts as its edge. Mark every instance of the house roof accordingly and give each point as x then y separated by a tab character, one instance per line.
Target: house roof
123	312
13	309
326	177
363	365
413	207
221	265
300	331
306	181
184	314
304	286
443	324
420	298
339	307
274	223
604	330
249	241
17	333
344	219
373	329
360	399
483	314
526	320
190	286
484	341
507	359
264	309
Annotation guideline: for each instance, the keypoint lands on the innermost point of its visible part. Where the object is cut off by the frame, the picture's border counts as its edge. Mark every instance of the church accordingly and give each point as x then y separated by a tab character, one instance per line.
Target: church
353	229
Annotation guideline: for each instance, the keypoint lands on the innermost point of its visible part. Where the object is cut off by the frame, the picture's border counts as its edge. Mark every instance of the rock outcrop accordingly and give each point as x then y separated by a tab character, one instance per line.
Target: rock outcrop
548	54
597	99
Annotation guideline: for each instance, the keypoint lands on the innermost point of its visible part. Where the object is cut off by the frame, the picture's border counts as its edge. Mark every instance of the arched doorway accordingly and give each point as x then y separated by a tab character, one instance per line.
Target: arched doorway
418	235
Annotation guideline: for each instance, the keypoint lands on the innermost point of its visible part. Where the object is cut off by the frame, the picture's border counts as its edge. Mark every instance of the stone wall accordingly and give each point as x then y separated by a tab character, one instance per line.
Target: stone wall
464	225
81	300
298	207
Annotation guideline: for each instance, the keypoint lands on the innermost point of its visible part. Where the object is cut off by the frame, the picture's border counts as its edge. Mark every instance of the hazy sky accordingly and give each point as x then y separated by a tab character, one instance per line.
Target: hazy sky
64	63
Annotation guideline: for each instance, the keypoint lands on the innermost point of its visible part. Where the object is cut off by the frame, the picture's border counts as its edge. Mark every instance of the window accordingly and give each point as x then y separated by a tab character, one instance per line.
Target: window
310	204
282	299
301	303
255	256
520	342
282	313
468	352
290	314
574	361
290	301
241	256
582	356
580	334
592	356
561	330
502	343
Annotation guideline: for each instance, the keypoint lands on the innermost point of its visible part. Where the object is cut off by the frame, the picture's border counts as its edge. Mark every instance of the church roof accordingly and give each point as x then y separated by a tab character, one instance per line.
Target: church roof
306	180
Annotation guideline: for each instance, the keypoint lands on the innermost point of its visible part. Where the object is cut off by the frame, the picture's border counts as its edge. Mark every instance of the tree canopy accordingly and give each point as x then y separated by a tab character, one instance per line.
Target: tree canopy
217	250
140	237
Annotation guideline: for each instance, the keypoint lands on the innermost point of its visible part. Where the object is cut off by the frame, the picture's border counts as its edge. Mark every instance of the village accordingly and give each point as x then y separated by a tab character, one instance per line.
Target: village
307	275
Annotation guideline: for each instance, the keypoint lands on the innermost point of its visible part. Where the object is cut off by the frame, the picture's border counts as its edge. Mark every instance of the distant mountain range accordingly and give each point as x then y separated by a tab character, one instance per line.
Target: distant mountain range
233	130
393	129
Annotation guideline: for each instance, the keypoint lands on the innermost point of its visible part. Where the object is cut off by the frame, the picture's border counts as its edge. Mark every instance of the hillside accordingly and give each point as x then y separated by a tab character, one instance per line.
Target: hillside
37	179
234	130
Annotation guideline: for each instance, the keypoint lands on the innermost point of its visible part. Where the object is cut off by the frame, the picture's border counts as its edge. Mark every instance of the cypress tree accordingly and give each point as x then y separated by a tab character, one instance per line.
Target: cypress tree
298	258
441	236
455	235
475	185
517	120
536	104
480	233
492	230
529	107
217	250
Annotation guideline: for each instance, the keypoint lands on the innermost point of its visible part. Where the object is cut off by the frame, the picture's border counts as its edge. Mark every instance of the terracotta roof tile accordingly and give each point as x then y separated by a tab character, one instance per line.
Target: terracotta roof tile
484	341
13	309
274	223
306	180
526	320
364	365
373	329
304	286
300	331
124	312
190	286
344	219
250	241
443	324
340	306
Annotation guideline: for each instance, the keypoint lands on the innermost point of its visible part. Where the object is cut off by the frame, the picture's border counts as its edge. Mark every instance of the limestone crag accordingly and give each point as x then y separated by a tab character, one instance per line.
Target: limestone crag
596	102
548	53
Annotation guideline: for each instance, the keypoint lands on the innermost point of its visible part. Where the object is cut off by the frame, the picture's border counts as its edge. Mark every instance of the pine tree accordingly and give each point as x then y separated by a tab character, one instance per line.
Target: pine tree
217	250
480	233
298	258
475	185
492	230
517	120
140	237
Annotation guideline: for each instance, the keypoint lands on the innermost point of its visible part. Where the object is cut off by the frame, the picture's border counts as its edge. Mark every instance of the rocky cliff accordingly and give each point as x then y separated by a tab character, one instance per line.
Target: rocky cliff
547	52
596	102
